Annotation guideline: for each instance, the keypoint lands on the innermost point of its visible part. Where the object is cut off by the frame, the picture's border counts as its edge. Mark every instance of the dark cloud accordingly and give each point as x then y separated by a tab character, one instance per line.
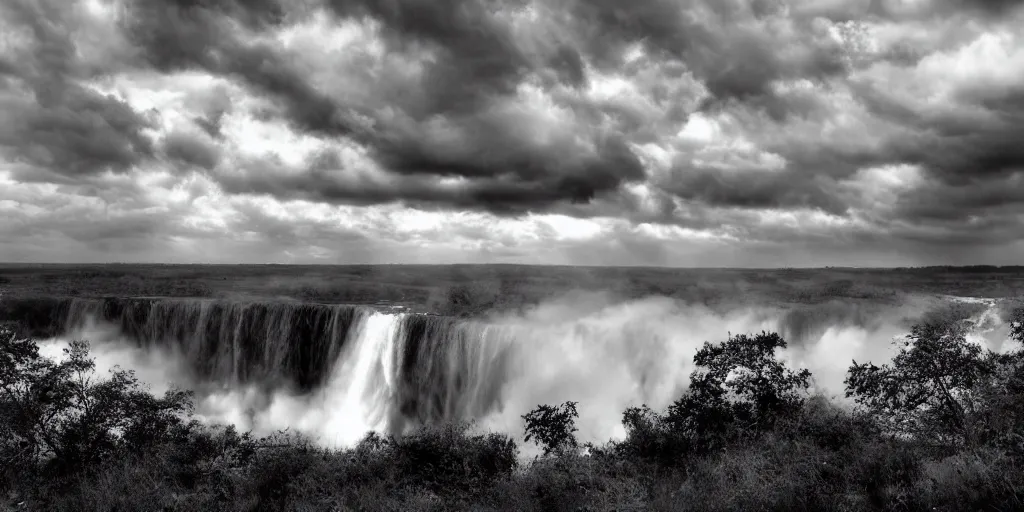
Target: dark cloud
75	131
976	141
478	57
50	121
191	150
712	39
758	188
989	203
989	7
527	106
186	34
895	10
210	125
520	168
477	66
181	34
326	179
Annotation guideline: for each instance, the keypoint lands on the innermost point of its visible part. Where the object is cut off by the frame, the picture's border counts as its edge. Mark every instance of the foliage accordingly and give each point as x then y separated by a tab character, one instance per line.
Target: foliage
447	458
649	436
997	418
823	423
57	411
780	450
1017	325
553	427
740	388
930	387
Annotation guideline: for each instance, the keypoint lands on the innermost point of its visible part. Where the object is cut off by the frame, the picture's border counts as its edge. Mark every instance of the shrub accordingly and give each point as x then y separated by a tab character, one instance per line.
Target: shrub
58	412
553	427
885	472
276	471
650	437
981	480
447	459
827	425
930	386
741	389
1017	325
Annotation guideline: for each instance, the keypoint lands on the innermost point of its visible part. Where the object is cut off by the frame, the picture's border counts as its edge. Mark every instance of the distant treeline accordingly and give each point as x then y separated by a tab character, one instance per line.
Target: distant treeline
970	268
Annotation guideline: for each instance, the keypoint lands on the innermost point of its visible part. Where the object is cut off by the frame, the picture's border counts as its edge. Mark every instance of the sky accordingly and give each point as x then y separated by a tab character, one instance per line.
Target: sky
754	133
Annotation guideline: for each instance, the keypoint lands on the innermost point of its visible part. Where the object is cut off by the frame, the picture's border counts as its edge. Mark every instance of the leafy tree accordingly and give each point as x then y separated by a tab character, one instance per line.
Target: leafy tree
740	384
1017	325
650	436
552	427
59	413
930	387
998	418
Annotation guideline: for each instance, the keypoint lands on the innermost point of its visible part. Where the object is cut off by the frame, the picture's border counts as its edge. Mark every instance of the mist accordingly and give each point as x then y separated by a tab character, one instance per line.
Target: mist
596	349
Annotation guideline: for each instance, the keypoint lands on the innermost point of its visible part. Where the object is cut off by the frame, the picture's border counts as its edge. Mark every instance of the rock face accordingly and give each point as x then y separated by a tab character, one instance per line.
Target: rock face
38	317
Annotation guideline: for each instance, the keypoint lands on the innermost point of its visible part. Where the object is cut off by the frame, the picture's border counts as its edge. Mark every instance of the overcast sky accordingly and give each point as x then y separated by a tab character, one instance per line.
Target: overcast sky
649	132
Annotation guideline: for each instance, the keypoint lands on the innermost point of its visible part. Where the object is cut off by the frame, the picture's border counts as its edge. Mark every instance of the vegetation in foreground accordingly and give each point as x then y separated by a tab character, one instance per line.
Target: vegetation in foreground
940	427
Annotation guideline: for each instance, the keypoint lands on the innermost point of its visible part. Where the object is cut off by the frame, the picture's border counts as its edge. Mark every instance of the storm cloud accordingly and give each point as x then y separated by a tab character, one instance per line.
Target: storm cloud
703	132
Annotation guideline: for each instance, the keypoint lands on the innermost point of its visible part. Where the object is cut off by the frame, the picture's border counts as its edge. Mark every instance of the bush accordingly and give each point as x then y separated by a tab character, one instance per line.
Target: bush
982	480
57	412
552	427
650	437
931	385
447	459
740	390
827	425
1017	325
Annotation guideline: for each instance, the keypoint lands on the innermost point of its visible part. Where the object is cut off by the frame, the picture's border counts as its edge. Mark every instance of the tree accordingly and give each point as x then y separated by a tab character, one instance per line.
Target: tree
1017	325
59	413
741	384
999	417
650	436
930	387
552	427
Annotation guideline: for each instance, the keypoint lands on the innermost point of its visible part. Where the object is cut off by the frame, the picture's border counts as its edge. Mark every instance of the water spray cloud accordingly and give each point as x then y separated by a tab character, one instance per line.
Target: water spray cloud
337	372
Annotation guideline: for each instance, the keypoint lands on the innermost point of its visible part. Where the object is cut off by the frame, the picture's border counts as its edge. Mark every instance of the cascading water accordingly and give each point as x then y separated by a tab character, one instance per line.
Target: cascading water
336	372
230	342
255	363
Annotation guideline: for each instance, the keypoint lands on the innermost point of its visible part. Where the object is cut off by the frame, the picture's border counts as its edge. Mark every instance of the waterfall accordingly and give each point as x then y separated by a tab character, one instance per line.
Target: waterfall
338	371
232	343
381	370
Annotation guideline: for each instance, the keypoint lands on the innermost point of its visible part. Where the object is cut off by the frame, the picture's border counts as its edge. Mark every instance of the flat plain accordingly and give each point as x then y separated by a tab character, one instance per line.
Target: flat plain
470	289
